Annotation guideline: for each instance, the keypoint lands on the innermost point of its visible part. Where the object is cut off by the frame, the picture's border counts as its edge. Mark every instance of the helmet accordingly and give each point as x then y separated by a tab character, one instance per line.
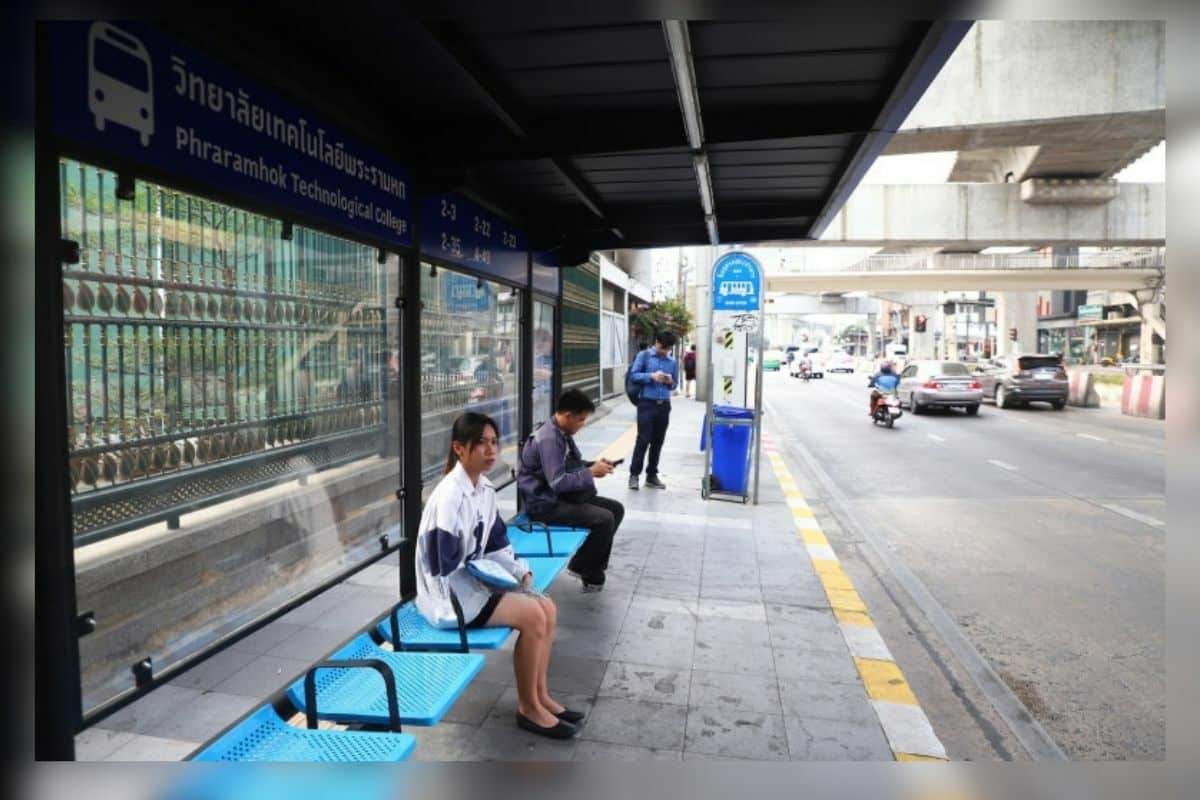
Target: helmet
886	366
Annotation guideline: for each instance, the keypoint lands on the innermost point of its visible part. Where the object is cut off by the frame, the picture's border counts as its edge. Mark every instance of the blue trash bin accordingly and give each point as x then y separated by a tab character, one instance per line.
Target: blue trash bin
731	447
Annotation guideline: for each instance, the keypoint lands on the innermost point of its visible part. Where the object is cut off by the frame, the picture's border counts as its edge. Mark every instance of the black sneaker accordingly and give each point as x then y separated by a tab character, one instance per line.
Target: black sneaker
652	482
592	582
633	482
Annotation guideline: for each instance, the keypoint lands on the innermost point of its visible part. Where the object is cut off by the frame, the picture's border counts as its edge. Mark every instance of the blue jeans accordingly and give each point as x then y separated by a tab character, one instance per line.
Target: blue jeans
652	420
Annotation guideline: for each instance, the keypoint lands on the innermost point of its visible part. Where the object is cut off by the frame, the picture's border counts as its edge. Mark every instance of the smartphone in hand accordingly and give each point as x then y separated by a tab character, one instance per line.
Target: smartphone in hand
616	463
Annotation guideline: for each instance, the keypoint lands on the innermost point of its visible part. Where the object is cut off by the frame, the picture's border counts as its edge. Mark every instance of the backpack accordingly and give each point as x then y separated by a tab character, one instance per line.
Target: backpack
689	360
633	390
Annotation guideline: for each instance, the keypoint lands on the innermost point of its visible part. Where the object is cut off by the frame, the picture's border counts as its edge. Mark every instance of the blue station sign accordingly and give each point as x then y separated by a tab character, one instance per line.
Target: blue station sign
130	90
455	230
465	294
737	283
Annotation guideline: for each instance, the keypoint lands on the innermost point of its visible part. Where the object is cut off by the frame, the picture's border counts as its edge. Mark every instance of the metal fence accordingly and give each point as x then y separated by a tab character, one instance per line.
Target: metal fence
205	353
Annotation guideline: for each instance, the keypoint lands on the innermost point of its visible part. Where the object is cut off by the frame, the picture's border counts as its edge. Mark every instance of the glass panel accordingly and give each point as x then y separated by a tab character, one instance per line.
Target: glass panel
954	368
543	361
231	440
469	362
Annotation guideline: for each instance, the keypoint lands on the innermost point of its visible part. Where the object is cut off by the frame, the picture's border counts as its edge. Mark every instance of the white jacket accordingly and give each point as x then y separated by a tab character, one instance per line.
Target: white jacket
460	522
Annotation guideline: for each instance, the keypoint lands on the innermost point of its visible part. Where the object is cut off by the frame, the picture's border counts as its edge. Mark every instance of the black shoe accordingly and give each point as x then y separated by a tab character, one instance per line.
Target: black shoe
563	730
592	581
572	717
652	482
633	482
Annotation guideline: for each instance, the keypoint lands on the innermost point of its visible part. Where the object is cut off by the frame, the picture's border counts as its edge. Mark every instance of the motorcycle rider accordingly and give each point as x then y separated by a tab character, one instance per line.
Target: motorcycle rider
884	381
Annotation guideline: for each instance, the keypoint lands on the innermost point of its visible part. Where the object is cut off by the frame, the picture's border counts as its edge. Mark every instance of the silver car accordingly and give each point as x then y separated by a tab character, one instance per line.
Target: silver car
944	384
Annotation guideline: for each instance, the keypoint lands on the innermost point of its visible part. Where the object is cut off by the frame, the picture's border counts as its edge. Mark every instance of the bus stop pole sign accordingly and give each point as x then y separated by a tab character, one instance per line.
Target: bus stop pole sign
737	300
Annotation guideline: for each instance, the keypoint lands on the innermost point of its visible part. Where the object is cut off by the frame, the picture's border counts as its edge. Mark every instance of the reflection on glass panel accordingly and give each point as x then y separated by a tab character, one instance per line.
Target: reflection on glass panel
469	362
543	361
229	422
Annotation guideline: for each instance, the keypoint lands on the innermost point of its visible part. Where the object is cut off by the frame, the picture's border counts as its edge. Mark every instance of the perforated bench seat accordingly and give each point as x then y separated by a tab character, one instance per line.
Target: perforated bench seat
529	538
417	634
263	736
427	684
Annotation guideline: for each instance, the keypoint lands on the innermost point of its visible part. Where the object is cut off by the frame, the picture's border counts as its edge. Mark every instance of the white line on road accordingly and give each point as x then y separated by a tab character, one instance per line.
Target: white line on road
1090	436
1134	515
1002	465
937	438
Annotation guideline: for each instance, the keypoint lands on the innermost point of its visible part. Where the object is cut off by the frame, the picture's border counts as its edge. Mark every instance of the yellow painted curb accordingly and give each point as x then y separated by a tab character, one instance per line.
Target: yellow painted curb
911	757
845	599
885	681
621	446
813	537
859	619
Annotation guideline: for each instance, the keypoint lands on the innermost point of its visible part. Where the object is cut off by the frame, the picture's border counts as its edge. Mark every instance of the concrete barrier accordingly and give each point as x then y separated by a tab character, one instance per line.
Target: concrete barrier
1082	391
1145	396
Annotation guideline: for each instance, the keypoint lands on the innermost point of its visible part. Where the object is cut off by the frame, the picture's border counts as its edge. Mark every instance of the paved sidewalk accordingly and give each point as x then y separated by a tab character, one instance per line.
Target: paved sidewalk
714	638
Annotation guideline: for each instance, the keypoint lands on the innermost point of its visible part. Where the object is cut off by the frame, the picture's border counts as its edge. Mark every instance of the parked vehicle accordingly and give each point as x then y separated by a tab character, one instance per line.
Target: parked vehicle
887	410
1021	380
940	384
772	359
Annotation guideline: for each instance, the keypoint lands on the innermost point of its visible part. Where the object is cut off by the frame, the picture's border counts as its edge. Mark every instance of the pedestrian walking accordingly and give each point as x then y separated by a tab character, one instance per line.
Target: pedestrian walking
689	371
657	373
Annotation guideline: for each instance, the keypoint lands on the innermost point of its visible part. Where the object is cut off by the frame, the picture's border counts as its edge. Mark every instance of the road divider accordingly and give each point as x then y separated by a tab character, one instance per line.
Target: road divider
1144	395
1082	390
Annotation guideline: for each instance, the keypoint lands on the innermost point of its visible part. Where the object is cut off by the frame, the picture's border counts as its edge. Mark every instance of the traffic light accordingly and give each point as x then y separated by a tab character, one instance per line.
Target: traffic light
1012	334
919	323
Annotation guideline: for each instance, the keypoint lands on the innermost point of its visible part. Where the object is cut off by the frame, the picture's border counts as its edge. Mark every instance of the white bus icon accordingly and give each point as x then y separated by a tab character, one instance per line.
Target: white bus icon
120	80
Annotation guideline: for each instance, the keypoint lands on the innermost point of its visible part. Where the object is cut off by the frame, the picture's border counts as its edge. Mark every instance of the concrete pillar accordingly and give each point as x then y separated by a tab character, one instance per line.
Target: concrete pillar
871	333
1016	310
702	258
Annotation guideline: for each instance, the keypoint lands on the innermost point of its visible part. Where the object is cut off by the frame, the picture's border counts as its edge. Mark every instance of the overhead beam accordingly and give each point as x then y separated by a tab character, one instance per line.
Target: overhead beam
499	102
683	70
923	64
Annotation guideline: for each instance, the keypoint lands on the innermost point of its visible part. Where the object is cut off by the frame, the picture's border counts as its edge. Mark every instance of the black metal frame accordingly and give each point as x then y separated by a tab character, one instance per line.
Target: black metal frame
380	666
58	693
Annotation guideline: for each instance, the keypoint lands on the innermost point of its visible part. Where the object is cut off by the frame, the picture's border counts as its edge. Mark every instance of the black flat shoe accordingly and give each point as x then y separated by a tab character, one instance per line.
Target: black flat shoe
573	717
563	730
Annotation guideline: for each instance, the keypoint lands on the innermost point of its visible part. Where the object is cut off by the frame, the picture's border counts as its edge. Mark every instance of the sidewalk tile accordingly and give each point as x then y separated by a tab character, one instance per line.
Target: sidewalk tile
152	748
715	631
443	742
575	675
735	691
262	676
214	669
653	622
816	665
822	700
660	651
510	743
741	734
606	751
734	657
820	634
645	682
832	740
475	703
732	609
639	723
96	744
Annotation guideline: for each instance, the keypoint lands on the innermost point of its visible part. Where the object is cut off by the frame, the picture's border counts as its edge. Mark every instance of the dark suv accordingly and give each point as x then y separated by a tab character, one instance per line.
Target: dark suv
1020	380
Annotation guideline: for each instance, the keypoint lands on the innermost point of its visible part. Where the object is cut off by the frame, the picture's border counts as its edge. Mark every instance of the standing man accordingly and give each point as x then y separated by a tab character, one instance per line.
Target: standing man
657	373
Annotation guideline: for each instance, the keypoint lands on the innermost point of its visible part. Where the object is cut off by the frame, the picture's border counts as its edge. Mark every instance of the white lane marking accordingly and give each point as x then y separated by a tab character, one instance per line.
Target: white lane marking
1002	465
1134	515
937	438
1090	436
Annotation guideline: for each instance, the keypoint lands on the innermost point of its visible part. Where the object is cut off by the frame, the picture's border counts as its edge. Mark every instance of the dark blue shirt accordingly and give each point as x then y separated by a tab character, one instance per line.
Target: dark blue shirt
645	365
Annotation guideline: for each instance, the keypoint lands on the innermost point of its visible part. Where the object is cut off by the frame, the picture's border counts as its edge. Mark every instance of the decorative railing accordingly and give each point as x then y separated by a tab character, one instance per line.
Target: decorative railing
206	355
1133	258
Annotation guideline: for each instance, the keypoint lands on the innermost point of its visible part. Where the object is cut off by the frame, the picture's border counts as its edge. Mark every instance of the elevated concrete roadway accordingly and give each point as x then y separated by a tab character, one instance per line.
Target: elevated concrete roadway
973	216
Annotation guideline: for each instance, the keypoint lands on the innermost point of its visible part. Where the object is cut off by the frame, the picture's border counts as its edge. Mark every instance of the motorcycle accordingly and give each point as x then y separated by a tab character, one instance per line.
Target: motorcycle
805	372
887	410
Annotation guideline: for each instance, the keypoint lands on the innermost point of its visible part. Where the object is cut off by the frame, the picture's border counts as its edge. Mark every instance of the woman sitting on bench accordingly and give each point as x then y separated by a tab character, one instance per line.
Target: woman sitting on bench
460	524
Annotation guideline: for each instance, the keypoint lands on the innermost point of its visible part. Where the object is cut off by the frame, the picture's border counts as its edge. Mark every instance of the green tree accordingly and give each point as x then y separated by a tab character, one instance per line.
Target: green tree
670	314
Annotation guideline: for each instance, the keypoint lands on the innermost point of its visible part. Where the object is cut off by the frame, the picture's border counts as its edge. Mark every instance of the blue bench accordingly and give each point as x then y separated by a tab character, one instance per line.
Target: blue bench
263	736
427	684
529	538
407	630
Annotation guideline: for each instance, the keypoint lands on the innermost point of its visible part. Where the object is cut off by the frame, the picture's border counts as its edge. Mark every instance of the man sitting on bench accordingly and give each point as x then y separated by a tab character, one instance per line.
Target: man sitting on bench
558	487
